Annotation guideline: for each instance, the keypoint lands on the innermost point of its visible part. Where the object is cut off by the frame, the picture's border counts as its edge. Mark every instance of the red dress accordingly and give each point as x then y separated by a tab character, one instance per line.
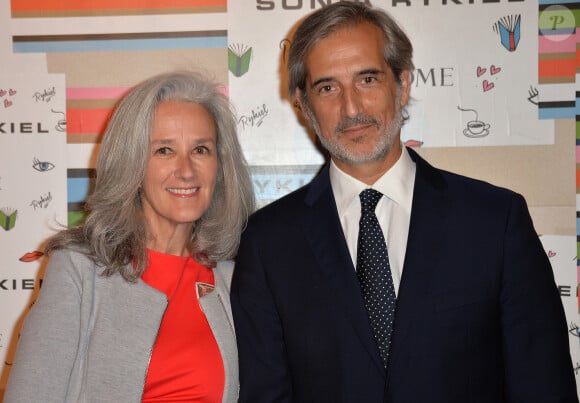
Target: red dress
186	364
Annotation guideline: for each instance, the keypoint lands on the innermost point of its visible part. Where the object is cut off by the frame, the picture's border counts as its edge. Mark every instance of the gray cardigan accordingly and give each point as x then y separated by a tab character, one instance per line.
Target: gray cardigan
89	338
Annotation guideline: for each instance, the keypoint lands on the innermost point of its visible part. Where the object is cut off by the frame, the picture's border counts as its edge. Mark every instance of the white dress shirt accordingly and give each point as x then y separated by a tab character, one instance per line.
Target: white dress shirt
393	210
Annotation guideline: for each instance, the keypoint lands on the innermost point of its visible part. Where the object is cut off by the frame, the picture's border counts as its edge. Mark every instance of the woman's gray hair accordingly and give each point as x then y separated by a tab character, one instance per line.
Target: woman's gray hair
398	50
114	234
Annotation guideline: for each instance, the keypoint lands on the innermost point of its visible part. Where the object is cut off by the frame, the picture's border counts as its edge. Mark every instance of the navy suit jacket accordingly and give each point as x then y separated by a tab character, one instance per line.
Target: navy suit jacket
478	317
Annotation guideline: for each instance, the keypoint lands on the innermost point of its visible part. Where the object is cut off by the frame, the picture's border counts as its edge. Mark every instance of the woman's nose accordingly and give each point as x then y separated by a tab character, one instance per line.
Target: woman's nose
185	168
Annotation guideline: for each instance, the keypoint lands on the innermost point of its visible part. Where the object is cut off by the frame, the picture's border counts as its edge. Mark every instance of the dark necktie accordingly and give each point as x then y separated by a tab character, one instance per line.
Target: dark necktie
374	273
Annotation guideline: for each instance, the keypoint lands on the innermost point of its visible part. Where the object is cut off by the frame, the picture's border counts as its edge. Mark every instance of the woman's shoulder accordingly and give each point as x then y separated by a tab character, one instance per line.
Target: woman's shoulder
70	256
71	263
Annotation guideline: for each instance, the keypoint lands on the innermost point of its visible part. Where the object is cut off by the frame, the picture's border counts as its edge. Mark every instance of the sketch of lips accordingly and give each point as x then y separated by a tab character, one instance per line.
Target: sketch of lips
31	256
413	143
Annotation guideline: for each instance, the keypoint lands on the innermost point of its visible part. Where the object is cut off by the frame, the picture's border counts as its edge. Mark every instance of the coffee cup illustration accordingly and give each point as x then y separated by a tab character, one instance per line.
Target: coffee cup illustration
61	123
476	127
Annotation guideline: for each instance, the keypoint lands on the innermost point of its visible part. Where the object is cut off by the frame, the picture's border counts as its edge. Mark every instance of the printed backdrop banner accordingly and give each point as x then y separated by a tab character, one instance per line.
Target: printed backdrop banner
488	73
32	188
475	81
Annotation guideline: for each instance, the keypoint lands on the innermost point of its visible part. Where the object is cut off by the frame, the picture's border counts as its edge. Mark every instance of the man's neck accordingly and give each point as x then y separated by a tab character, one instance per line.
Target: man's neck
370	172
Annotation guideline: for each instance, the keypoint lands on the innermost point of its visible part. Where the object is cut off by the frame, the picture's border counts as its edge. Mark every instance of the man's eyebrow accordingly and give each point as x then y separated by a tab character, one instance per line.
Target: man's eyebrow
370	71
320	81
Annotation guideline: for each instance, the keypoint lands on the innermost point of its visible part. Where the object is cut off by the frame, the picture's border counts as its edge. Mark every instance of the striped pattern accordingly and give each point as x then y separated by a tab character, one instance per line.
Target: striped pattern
103	58
101	67
79	183
559	64
557	60
119	42
88	110
84	8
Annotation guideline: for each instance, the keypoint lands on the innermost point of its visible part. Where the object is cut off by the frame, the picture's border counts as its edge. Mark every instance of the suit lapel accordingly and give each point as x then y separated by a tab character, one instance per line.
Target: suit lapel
324	233
429	213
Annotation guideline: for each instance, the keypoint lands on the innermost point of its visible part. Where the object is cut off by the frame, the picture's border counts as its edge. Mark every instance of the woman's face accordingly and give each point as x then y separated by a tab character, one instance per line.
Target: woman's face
182	167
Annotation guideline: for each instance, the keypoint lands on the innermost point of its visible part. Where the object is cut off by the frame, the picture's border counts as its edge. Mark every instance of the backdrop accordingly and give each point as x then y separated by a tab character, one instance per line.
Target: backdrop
494	97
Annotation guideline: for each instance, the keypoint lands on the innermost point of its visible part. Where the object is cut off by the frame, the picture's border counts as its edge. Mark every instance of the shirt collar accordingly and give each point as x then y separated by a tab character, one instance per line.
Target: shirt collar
397	184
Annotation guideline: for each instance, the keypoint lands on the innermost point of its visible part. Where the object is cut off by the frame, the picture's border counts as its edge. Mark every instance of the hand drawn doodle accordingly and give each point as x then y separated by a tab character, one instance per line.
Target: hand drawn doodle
11	92
574	331
254	118
533	95
413	143
61	124
42	166
509	30
8	218
31	256
45	96
487	85
239	57
475	128
42	202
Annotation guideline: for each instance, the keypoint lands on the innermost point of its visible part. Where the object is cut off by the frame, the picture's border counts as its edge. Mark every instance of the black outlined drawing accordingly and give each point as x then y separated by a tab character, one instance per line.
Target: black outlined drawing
475	128
42	166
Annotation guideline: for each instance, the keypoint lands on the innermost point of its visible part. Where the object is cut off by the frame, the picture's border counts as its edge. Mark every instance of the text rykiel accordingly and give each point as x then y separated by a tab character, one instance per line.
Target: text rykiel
22	128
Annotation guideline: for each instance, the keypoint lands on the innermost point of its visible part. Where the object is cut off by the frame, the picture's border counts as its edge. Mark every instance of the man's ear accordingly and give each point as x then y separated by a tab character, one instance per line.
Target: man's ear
405	79
298	104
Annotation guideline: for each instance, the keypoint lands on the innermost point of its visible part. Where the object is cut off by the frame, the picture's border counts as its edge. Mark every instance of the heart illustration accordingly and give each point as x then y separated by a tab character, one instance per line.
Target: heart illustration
551	254
7	103
2	93
487	85
494	70
481	71
11	92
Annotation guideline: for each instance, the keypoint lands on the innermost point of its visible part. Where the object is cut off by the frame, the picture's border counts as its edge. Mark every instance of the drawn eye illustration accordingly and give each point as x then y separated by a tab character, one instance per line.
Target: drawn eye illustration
42	166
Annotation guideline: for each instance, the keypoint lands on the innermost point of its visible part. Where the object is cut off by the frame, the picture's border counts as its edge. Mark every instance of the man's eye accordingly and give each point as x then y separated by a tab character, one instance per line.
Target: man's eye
369	79
325	88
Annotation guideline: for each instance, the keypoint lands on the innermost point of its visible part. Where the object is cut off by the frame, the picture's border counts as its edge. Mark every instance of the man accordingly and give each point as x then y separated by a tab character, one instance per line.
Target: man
477	316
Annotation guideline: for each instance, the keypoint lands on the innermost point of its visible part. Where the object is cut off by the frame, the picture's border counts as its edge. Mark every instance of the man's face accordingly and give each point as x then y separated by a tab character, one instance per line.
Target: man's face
352	98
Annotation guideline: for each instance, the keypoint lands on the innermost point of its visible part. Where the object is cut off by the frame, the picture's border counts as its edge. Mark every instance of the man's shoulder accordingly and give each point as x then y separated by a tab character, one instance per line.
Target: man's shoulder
455	181
476	186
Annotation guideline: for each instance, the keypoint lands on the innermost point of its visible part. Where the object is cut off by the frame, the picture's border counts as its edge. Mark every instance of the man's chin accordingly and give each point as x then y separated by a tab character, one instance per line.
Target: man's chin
362	157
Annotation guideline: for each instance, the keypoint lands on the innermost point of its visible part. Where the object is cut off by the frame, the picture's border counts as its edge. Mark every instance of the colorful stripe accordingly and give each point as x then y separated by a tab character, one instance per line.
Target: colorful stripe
91	121
119	42
558	110
559	62
79	182
77	8
96	93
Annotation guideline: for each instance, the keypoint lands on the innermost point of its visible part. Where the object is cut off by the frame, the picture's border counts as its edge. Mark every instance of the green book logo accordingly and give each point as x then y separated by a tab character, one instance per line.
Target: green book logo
239	59
8	218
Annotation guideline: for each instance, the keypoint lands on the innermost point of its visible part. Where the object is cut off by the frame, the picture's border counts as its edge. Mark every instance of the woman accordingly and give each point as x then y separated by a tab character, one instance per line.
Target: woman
135	303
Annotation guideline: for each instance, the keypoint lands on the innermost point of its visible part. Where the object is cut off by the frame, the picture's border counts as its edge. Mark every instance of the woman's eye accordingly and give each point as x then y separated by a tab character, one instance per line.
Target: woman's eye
163	151
201	150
